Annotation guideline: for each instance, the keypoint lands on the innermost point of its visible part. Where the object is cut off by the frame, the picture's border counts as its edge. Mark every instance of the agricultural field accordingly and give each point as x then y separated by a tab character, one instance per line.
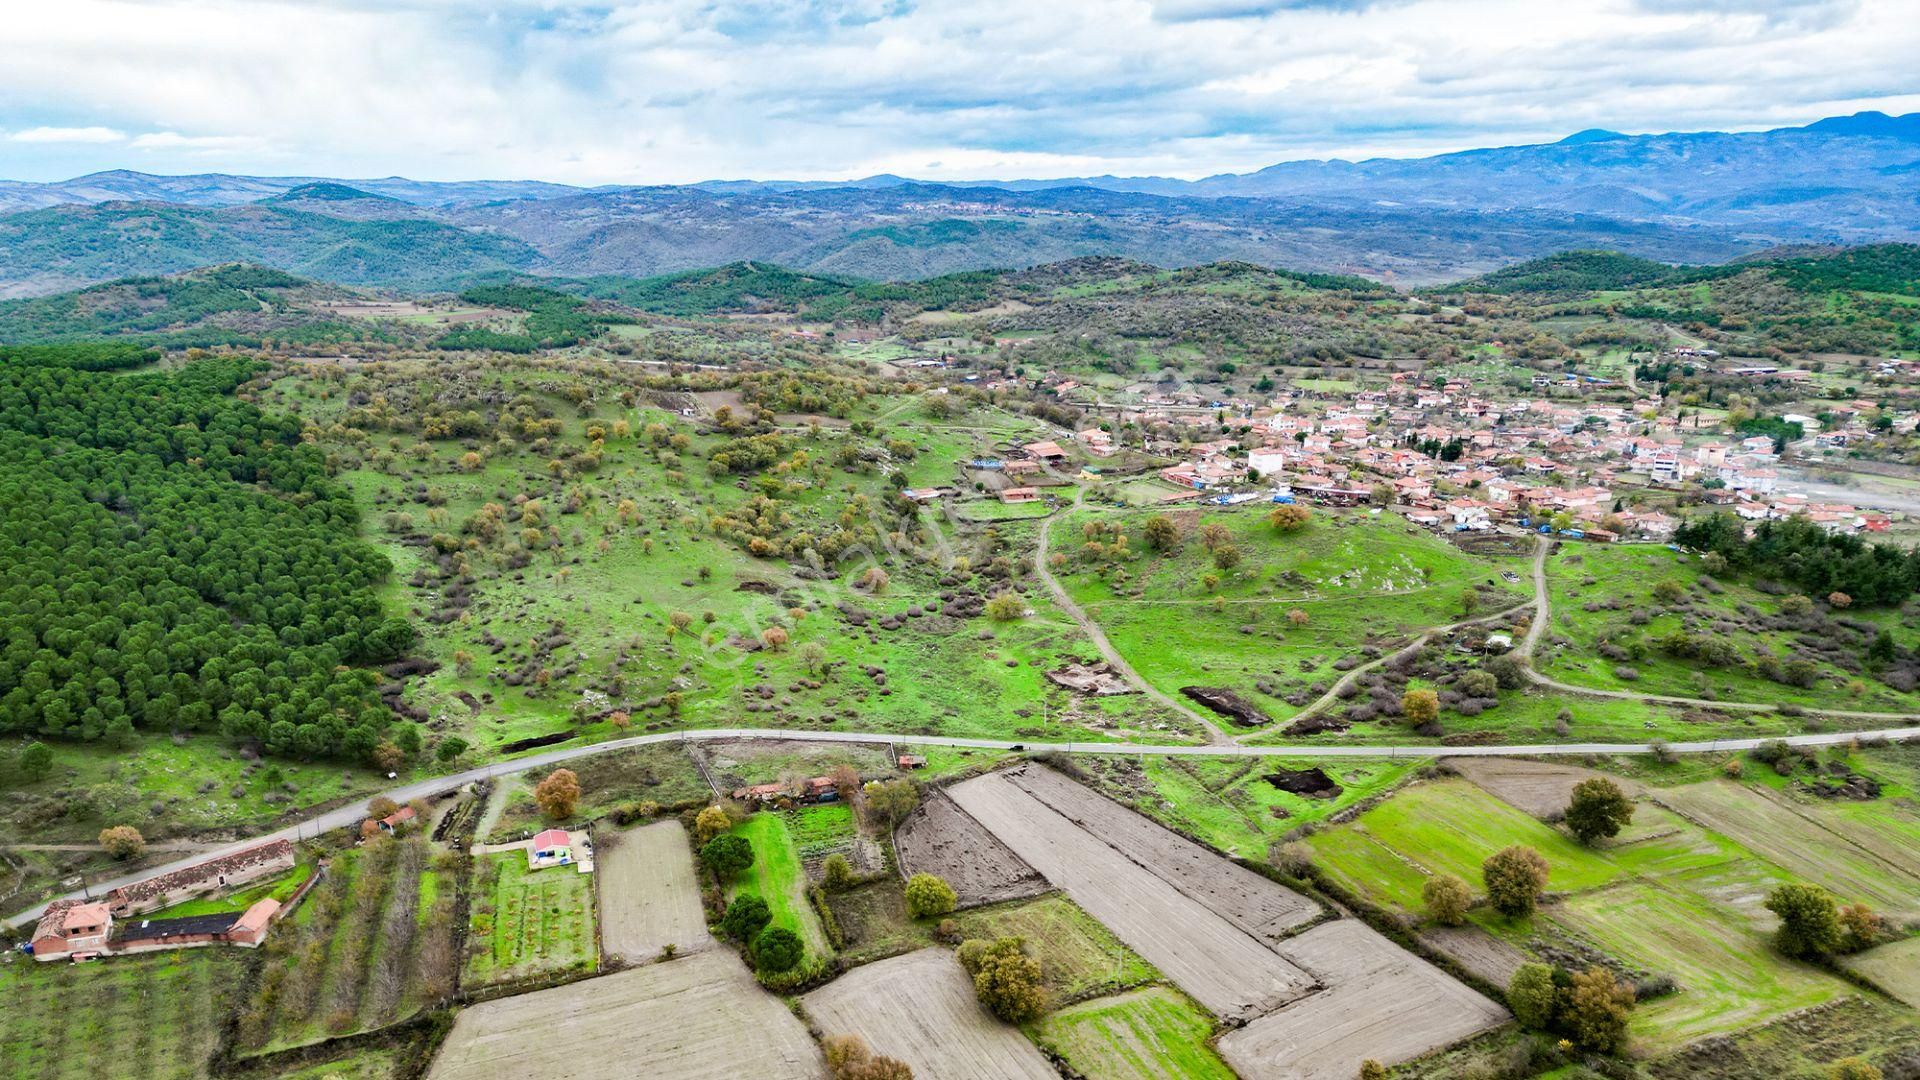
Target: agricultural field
1204	952
939	838
649	892
1142	1034
1378	1001
1894	967
688	1017
526	924
141	1017
778	877
371	944
1079	958
1676	896
920	1009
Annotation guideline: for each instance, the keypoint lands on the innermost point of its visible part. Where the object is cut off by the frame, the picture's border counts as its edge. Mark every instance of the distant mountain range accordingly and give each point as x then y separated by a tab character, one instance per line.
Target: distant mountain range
1697	197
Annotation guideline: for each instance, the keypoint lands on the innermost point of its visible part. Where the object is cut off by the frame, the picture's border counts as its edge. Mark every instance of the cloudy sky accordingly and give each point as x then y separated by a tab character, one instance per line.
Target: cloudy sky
661	91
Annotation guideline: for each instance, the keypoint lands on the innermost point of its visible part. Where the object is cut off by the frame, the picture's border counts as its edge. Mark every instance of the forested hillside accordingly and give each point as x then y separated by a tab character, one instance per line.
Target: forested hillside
179	561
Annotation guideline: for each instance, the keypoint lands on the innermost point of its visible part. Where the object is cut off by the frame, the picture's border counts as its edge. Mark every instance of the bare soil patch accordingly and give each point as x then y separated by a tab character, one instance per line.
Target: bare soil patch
1313	783
649	898
1541	788
1097	679
1228	703
700	1017
1379	1002
1093	855
921	1009
941	839
1477	951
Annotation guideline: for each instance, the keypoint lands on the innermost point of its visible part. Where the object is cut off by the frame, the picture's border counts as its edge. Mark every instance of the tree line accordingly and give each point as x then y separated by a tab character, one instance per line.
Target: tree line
1801	553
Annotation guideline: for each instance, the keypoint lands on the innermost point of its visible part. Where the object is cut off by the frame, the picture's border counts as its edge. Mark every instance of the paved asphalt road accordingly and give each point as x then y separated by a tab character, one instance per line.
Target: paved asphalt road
351	815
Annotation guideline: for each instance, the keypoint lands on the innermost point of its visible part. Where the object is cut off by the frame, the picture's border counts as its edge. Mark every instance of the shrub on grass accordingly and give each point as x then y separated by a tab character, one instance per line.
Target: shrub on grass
1854	1068
1515	877
1597	1008
122	841
1809	925
928	895
1532	996
1447	899
1005	978
1420	707
836	875
777	949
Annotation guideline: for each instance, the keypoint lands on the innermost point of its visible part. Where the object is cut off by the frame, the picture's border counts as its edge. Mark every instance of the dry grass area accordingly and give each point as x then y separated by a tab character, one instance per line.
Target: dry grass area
940	839
1205	953
1380	1002
700	1017
649	898
920	1008
1894	968
1541	788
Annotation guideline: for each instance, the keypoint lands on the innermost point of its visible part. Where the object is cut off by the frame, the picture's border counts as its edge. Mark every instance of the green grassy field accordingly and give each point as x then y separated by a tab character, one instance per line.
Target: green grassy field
1078	957
154	1016
526	923
777	877
1147	1033
1666	897
280	889
1228	802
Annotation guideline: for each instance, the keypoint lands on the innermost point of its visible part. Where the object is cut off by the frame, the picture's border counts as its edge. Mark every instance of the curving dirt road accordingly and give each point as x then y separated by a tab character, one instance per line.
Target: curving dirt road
1099	638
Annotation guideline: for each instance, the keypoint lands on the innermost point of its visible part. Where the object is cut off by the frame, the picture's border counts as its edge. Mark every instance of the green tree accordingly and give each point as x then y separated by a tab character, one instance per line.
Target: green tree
1005	979
836	874
890	800
727	855
928	895
450	748
1515	877
746	916
1447	899
1006	607
1809	922
1598	809
34	761
777	949
1532	996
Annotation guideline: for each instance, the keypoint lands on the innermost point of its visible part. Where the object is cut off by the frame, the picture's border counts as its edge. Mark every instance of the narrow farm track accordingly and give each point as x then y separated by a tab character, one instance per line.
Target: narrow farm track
1099	637
1325	701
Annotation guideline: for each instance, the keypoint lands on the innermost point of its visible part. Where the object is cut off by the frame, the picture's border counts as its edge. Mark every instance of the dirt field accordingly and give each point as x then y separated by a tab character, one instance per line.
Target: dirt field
1478	951
1541	788
1206	953
1244	898
940	838
920	1008
649	898
687	1018
1381	1002
1855	863
1894	968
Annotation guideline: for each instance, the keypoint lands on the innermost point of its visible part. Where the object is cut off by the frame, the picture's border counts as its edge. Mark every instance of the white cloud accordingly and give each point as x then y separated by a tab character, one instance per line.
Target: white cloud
649	91
68	135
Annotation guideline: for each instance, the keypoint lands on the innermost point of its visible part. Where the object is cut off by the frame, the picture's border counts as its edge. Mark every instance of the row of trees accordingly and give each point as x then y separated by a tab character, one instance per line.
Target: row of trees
180	561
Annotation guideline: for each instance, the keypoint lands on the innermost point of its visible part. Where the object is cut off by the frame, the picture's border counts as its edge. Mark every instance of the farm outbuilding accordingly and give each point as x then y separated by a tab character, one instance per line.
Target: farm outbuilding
553	847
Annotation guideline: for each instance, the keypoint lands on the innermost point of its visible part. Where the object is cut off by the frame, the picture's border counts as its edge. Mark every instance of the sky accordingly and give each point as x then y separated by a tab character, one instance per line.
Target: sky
674	91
